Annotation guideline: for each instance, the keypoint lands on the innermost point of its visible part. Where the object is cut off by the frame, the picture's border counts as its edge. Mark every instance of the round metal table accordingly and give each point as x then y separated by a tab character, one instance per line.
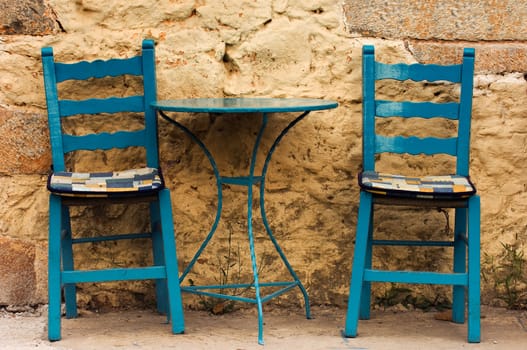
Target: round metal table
263	106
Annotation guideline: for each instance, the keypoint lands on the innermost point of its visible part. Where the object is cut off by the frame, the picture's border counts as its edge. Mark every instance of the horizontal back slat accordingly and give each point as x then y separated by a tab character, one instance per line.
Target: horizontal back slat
98	69
449	110
104	141
418	72
415	145
107	105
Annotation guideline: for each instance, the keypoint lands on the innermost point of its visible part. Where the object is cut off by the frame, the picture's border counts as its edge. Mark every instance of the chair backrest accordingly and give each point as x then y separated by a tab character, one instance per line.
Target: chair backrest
460	110
141	66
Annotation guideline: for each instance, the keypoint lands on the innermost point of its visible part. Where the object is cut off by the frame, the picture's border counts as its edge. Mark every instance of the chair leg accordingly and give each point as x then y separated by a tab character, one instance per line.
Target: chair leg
460	256
365	300
158	256
172	281
54	273
359	259
474	321
70	290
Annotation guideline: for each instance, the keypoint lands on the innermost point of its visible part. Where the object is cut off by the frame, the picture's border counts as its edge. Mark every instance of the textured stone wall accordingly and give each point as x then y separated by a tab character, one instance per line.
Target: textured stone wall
266	48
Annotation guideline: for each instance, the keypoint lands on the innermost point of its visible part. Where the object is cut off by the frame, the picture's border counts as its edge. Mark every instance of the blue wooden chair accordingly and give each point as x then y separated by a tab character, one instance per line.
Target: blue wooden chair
141	184
452	190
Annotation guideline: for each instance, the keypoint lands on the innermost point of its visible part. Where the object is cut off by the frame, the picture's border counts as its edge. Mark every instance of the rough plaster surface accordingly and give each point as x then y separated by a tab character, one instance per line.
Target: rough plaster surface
259	48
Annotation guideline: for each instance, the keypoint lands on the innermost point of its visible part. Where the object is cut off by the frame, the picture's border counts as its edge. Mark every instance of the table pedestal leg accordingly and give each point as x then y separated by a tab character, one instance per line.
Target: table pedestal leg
251	181
248	181
264	216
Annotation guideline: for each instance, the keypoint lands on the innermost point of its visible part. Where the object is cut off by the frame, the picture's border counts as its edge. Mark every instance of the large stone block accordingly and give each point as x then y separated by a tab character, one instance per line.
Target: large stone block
490	57
438	19
24	143
436	31
29	17
18	272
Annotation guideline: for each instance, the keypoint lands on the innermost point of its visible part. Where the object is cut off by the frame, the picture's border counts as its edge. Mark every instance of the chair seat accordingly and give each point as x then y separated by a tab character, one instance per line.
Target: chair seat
427	187
106	184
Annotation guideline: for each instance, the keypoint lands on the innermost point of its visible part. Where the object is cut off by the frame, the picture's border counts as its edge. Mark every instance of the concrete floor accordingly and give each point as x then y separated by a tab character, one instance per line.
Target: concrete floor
284	329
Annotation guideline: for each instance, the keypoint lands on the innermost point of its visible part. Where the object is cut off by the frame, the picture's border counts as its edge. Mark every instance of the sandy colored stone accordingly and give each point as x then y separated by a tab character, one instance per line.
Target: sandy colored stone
291	48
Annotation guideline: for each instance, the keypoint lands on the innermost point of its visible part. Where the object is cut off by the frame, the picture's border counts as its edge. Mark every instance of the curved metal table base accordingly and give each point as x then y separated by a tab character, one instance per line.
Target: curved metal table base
247	181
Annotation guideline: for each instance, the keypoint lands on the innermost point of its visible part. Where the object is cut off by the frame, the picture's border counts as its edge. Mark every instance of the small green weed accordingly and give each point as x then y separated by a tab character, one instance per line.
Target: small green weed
507	272
230	272
394	294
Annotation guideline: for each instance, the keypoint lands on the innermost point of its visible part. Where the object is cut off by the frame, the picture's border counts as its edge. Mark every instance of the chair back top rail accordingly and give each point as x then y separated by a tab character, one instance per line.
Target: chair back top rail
418	72
460	111
142	65
98	69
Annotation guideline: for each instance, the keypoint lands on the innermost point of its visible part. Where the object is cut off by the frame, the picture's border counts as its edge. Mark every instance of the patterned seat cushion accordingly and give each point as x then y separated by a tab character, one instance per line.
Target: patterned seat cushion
427	187
106	184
